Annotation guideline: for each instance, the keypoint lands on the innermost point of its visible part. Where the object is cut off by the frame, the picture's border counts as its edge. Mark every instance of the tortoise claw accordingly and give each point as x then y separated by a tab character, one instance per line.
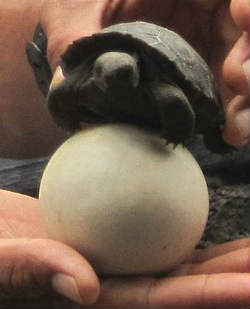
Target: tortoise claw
176	139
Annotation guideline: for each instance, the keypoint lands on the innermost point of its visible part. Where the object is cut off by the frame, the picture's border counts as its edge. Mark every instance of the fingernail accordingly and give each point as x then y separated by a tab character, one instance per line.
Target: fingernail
246	69
66	286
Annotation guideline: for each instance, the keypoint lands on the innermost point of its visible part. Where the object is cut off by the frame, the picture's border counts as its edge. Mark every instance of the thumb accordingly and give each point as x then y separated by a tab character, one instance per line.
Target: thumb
67	20
32	268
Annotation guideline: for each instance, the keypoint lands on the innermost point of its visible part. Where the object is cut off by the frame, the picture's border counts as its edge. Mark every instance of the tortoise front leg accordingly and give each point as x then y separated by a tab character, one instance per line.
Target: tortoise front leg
72	106
176	113
63	106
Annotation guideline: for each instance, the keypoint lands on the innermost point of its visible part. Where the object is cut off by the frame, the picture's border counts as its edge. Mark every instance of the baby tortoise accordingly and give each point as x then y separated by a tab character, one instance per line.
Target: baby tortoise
143	74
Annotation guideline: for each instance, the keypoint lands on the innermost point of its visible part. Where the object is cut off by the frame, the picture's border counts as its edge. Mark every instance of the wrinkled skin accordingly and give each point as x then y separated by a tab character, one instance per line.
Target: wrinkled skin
217	277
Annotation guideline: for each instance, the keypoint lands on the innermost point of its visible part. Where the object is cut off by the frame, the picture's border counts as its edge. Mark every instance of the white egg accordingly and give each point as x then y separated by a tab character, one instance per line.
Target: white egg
126	201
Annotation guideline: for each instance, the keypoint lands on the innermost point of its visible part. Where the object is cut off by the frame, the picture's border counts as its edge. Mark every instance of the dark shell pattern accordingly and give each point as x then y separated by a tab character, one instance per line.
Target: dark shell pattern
165	57
162	45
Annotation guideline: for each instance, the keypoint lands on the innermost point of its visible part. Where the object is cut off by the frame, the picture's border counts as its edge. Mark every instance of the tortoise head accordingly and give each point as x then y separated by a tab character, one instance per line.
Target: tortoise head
116	72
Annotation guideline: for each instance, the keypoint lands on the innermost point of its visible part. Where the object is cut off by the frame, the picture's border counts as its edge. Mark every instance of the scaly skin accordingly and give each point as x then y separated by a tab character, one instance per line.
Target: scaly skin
26	128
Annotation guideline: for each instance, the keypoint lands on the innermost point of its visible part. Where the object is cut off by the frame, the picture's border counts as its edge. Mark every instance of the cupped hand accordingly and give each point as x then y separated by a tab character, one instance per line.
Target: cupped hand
34	270
217	277
212	27
32	267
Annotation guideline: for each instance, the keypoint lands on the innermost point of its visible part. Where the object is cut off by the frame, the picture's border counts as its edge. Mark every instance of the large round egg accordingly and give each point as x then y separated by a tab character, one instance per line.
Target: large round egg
124	199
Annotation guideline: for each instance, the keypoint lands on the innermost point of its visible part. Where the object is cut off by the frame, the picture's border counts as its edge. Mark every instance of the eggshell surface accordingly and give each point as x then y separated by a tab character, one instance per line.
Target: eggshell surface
125	200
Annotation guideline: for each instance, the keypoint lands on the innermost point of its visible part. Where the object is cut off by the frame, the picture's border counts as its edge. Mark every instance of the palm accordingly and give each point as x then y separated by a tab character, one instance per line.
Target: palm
19	216
213	277
210	278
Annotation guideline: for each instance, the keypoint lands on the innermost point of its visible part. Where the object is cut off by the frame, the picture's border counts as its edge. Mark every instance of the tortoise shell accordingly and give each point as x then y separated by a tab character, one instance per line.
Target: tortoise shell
171	56
169	50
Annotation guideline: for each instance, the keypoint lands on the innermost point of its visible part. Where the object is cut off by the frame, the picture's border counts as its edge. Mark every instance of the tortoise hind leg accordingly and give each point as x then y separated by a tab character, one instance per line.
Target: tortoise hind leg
176	113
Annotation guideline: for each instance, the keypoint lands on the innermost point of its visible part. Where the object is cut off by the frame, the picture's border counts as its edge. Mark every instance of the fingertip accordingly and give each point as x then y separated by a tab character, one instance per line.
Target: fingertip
88	286
90	292
76	289
240	10
71	274
74	265
237	128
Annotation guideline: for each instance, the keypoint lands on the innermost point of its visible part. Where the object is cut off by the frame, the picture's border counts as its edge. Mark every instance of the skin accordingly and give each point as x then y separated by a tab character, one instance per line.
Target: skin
236	71
222	36
38	135
26	127
217	277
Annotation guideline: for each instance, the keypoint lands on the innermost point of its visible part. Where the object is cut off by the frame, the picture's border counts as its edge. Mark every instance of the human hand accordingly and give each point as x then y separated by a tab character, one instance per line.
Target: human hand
217	277
34	268
211	31
237	75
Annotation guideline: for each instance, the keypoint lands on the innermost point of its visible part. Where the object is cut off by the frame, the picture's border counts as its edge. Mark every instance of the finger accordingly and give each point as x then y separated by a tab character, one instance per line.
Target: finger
233	262
200	291
201	255
31	267
240	10
237	127
236	68
65	21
